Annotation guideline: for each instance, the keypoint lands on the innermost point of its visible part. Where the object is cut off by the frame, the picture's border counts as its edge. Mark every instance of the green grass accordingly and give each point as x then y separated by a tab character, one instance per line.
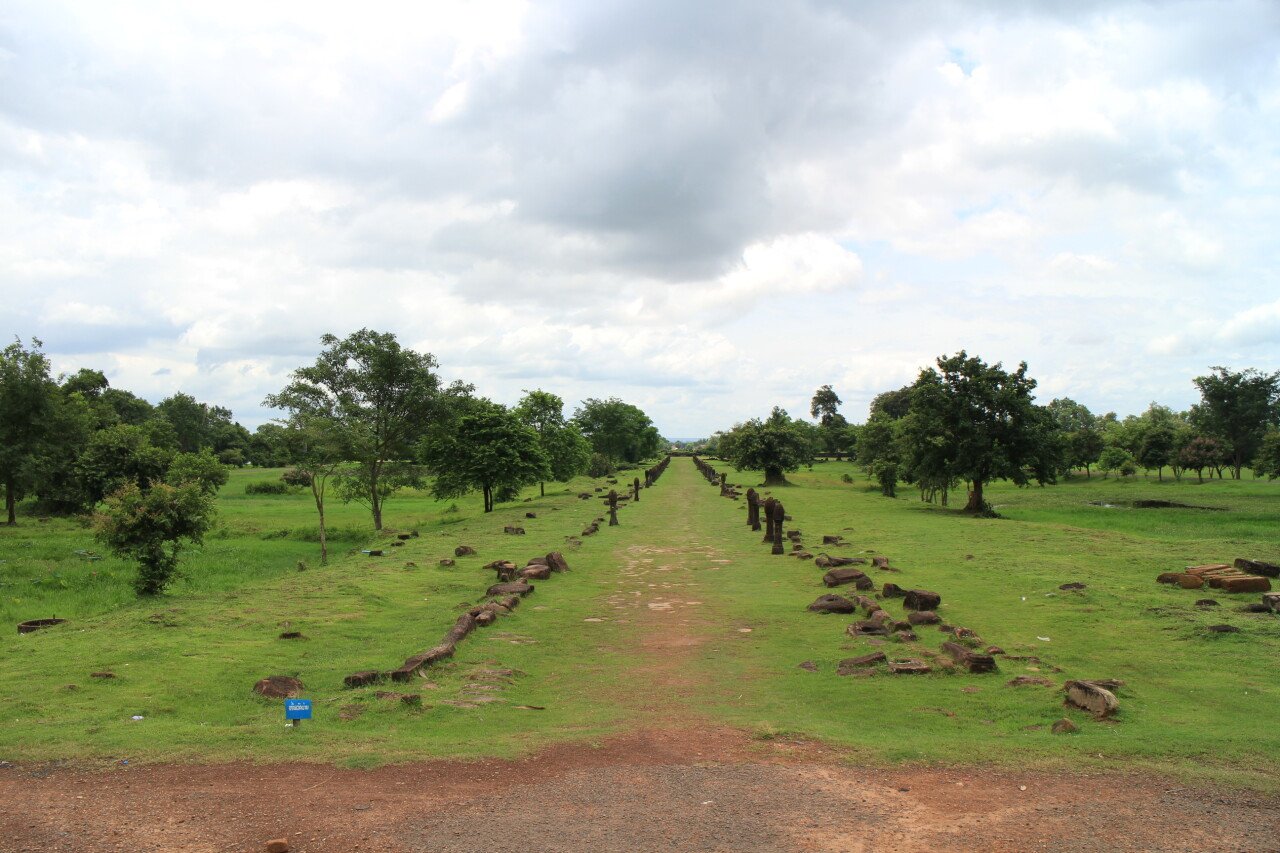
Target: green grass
1193	703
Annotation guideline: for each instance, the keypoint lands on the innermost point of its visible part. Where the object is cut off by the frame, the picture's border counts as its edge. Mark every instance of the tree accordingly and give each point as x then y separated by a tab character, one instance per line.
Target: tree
1116	458
1267	460
269	446
880	450
1238	407
619	430
825	404
203	470
1202	452
26	403
150	525
380	399
775	445
119	455
489	449
894	404
566	449
978	422
316	450
1082	440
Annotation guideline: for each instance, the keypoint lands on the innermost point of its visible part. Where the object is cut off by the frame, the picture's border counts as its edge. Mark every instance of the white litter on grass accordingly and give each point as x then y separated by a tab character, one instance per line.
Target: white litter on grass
137	717
1043	639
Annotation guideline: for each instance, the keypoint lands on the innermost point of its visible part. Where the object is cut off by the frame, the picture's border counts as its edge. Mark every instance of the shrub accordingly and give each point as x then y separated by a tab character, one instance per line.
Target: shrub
149	527
295	477
599	466
267	487
845	478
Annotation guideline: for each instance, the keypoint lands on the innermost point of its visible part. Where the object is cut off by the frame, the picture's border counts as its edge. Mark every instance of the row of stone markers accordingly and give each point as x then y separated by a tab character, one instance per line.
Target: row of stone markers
962	648
513	584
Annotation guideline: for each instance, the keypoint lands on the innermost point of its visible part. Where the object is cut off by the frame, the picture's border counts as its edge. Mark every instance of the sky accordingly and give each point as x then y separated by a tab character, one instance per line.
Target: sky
706	209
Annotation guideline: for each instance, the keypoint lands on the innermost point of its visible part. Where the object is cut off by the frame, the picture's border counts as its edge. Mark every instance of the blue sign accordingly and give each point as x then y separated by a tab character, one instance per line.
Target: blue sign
297	709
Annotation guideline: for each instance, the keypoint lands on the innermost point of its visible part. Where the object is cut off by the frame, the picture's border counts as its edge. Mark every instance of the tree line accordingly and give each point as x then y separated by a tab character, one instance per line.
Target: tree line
368	418
966	421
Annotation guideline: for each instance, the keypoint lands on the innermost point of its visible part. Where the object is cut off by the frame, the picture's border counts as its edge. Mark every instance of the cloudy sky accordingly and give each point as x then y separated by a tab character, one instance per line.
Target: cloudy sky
703	208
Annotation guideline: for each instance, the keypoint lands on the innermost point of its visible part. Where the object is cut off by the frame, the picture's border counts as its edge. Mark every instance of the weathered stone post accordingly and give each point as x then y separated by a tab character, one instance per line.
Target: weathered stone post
768	520
613	509
753	509
635	487
779	516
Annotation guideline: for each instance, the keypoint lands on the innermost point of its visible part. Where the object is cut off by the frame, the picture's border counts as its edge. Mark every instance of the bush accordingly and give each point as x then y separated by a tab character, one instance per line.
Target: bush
267	487
294	477
150	528
599	466
845	478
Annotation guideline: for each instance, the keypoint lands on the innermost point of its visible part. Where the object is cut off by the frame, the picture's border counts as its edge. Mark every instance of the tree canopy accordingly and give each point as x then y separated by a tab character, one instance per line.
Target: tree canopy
566	450
1238	407
978	422
774	445
619	430
486	448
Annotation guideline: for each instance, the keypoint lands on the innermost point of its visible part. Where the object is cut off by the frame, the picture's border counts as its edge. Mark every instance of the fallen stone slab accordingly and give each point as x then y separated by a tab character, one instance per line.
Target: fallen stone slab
279	687
512	588
557	562
867	628
447	562
880	562
909	666
536	572
1258	567
892	590
364	678
1248	583
802	555
1168	577
868	605
969	659
1272	600
1074	585
921	599
1091	697
833	540
905	635
923	617
1208	567
838	577
464	551
1223	629
1206	602
831	603
1189	581
1028	681
863	660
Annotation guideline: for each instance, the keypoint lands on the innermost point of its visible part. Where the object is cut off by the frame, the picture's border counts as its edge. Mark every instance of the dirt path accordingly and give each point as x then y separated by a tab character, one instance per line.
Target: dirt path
676	784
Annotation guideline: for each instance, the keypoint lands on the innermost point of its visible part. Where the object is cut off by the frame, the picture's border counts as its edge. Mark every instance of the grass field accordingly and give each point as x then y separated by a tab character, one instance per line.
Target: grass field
1193	703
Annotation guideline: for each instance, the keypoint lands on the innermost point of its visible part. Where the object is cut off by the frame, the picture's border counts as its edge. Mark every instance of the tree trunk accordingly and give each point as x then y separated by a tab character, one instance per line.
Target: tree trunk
1088	475
318	494
488	497
10	503
774	477
542	490
975	498
1160	473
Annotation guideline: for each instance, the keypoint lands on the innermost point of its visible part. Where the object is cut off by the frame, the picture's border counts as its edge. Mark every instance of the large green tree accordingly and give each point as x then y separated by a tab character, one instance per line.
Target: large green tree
837	437
566	449
774	445
618	430
487	448
1238	407
1082	439
978	422
380	398
26	409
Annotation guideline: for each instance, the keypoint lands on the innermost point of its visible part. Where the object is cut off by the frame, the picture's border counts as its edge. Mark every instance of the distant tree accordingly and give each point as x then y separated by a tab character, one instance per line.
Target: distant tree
825	404
26	408
269	446
489	449
202	469
775	445
619	430
599	466
893	404
1202	452
150	527
880	451
126	408
566	449
1082	440
1238	407
1266	462
1116	458
978	422
120	455
315	446
380	399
